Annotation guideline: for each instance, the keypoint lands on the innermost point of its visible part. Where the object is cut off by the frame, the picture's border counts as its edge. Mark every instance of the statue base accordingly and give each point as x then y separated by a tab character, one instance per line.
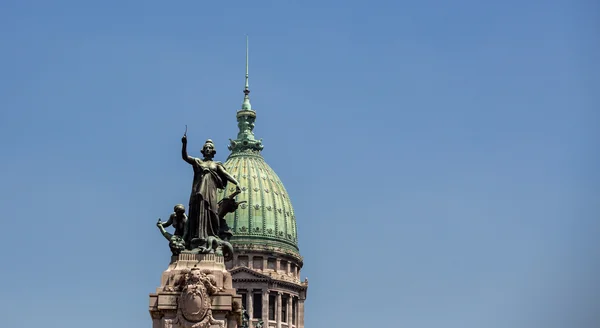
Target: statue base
196	291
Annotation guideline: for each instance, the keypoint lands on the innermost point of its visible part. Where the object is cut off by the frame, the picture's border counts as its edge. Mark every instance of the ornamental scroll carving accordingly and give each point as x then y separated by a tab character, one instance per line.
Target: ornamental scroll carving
194	304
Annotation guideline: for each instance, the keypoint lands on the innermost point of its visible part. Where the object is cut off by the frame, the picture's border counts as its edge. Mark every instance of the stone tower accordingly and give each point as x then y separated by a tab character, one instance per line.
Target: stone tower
266	263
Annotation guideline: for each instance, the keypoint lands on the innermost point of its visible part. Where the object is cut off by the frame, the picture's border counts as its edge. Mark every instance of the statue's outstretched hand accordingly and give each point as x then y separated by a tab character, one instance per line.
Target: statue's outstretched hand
184	139
159	223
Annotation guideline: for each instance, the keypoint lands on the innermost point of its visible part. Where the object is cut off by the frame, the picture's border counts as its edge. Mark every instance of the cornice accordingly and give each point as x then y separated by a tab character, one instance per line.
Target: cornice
259	277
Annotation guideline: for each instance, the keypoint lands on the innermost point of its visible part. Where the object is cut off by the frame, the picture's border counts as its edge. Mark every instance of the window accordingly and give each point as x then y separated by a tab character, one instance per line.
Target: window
271	307
283	266
294	307
257	263
243	261
271	264
284	304
257	306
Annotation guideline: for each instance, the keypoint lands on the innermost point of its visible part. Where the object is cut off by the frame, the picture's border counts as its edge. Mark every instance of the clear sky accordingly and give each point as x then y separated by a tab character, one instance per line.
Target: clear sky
442	156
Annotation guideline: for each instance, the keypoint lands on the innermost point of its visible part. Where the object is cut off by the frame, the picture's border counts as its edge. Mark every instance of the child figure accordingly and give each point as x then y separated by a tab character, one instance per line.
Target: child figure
178	219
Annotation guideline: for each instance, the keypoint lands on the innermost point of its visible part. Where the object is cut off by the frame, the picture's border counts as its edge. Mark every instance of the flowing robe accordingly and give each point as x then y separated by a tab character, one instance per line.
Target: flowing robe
203	218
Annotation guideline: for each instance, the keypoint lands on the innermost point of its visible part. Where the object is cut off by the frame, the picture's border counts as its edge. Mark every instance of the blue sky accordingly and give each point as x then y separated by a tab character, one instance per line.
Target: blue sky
442	156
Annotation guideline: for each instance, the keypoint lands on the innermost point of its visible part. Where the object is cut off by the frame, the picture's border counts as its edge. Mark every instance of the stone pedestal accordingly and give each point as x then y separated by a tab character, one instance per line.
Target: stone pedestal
195	292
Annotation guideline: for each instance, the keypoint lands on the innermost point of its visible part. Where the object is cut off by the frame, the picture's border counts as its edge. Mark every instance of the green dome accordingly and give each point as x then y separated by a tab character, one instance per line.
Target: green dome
267	218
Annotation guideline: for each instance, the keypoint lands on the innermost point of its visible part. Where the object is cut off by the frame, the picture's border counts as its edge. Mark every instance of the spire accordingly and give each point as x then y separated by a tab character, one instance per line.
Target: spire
246	104
246	142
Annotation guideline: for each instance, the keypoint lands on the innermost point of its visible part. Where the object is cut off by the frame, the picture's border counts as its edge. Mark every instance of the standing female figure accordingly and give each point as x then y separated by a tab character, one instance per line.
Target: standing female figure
203	218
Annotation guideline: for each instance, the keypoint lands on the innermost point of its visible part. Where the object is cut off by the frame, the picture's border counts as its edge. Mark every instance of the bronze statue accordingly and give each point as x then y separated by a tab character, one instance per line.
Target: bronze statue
227	205
176	243
178	219
203	219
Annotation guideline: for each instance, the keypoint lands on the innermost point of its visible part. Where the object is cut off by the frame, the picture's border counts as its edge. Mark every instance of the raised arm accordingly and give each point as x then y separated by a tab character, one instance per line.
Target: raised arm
163	231
184	154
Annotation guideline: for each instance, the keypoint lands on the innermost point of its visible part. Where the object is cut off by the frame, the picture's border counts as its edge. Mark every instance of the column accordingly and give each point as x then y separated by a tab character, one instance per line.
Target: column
300	317
265	264
250	261
278	309
289	310
277	265
249	302
265	308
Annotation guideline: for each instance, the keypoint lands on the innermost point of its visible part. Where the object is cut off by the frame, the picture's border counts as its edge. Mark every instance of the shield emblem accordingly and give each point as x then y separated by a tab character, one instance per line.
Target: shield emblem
194	302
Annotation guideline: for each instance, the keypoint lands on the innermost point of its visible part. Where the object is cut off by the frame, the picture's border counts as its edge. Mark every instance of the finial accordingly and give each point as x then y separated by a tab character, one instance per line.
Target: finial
246	104
246	88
